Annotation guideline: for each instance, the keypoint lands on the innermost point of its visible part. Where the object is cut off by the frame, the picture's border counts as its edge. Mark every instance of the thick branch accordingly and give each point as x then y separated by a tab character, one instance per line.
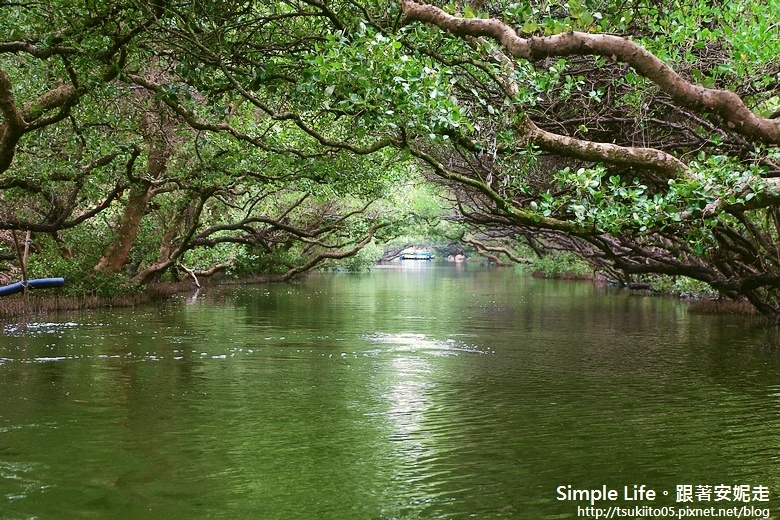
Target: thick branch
34	50
726	104
60	224
62	96
12	128
168	254
604	152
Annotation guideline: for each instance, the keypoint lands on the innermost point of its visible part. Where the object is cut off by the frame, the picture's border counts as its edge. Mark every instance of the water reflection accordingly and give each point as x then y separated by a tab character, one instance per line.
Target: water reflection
409	342
408	399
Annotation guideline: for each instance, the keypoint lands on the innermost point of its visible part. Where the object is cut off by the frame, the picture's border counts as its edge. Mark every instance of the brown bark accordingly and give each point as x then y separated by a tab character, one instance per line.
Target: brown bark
117	253
726	104
166	257
17	121
12	127
657	160
61	96
22	253
177	240
157	130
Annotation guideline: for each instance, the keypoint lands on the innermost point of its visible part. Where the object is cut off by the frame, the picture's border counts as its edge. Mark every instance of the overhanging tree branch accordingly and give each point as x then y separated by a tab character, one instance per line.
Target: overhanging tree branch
726	104
321	257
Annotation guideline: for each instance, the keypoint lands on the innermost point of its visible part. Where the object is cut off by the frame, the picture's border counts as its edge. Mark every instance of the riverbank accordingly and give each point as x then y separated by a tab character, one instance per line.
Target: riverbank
36	303
705	303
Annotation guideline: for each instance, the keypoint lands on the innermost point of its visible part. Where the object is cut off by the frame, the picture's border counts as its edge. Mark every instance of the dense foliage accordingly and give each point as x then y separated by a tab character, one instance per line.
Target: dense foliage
643	136
142	138
130	150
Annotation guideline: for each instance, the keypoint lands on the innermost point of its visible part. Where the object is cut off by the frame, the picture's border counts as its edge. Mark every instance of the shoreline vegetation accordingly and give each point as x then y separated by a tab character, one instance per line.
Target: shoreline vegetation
698	303
36	303
701	299
42	303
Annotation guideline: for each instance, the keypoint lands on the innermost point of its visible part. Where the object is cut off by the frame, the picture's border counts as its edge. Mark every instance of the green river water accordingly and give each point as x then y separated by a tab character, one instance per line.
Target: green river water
429	391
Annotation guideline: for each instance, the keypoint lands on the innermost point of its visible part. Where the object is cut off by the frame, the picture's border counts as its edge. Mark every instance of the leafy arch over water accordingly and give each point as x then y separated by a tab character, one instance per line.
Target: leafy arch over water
201	137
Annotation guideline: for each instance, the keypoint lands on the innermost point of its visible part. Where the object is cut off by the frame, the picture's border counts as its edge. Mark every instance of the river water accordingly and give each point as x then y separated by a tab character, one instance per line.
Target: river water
428	391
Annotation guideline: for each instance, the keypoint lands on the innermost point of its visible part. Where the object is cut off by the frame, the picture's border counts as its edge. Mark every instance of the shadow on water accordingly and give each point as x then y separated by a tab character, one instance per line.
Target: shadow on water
427	392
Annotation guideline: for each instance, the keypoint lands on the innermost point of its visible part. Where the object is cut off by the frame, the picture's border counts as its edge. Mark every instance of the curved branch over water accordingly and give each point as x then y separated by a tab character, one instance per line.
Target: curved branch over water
724	103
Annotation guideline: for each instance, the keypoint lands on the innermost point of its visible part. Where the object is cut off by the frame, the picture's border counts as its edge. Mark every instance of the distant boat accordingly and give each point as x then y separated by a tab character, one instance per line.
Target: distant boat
420	255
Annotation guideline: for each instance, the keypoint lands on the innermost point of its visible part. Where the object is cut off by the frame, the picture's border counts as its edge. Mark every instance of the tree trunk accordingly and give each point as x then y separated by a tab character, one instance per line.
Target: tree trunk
157	131
175	242
116	256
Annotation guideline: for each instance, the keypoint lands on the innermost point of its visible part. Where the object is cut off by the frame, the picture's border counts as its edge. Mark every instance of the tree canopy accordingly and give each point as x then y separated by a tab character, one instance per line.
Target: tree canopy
144	136
645	136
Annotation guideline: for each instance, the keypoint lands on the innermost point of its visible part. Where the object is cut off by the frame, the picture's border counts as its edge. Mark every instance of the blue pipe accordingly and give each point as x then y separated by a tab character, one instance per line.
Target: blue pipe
38	283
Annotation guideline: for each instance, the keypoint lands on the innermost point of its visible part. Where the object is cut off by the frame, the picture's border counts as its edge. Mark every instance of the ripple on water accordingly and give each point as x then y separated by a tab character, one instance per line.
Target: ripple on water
27	329
18	477
412	342
255	410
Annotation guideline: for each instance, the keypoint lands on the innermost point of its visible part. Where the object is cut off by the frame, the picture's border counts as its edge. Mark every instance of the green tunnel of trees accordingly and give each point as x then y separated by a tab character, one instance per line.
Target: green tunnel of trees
138	138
